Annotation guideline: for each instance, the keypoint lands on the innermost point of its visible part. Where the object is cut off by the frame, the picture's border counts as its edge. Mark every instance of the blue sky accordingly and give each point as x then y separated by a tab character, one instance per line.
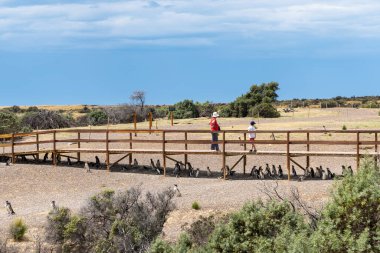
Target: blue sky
99	52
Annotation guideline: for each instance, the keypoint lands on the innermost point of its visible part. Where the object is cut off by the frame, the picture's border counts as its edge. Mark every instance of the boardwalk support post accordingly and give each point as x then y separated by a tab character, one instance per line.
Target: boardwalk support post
185	149
163	152
54	148
224	156
13	148
78	144
357	150
245	157
107	151
288	153
130	147
308	149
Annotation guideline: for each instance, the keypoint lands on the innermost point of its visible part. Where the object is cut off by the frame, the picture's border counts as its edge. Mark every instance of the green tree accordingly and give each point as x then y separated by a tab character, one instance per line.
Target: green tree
264	94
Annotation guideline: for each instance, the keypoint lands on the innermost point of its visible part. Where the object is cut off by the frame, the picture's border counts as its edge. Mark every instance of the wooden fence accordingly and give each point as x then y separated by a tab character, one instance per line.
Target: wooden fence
361	143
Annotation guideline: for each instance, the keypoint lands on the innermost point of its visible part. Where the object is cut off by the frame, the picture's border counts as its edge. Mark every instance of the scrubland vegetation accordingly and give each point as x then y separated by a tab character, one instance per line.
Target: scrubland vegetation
132	222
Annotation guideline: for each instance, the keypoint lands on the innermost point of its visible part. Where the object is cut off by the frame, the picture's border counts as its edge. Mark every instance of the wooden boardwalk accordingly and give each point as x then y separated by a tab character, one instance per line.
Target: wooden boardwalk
52	141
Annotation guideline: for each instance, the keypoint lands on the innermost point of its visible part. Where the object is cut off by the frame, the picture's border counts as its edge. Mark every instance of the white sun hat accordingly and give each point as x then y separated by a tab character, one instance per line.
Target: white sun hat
215	114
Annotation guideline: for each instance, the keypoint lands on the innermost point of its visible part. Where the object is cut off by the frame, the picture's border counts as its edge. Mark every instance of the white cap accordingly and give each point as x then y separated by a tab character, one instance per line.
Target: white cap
215	114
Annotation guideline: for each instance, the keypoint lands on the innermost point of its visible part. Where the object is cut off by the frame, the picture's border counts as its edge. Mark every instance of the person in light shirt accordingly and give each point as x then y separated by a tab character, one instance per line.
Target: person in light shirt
252	136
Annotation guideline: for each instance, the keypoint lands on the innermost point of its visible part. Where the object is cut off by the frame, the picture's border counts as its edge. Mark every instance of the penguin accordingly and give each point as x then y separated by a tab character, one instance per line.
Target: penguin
209	172
176	190
9	208
197	172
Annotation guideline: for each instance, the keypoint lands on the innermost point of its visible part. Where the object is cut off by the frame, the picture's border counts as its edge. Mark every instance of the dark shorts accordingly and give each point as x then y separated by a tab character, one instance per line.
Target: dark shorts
251	139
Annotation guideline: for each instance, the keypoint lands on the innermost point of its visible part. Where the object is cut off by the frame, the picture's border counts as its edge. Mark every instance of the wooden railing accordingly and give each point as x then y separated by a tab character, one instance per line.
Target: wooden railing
228	137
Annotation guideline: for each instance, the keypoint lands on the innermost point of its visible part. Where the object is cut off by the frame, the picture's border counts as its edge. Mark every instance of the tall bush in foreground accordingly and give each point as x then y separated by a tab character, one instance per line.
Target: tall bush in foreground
351	220
110	222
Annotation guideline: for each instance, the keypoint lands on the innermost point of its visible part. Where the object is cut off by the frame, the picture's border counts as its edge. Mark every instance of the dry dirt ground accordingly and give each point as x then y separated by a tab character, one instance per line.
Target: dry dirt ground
31	187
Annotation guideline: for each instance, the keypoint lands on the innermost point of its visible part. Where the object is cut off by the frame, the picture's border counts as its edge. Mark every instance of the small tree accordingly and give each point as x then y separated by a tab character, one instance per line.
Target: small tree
138	97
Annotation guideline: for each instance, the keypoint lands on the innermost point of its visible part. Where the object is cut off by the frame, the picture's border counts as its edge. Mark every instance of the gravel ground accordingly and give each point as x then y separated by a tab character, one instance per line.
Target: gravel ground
31	187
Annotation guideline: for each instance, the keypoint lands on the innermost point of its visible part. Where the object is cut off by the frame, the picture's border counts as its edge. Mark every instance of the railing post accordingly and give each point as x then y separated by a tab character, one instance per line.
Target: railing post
245	156
107	151
163	152
224	155
288	153
13	148
185	149
308	149
357	150
38	146
135	122
78	144
171	118
376	150
130	147
150	121
54	148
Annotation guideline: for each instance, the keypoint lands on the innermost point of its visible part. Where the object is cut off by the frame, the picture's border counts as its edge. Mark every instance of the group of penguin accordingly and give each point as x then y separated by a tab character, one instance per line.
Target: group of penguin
180	169
308	173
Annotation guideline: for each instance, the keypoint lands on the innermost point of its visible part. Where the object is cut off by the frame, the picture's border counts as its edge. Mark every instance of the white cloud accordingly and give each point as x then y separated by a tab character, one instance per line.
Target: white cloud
181	22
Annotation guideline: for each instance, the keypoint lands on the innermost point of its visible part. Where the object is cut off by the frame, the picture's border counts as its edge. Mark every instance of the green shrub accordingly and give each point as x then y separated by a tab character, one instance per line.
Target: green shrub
264	110
17	229
98	117
344	127
195	205
185	109
259	227
8	122
161	246
45	119
110	222
351	220
56	223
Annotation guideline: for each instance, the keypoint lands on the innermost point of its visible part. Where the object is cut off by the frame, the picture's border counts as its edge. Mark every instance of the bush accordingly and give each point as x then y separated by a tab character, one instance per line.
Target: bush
44	119
124	222
56	223
85	109
32	109
259	227
205	109
17	229
264	110
351	220
344	127
201	229
195	205
8	122
161	246
185	109
98	117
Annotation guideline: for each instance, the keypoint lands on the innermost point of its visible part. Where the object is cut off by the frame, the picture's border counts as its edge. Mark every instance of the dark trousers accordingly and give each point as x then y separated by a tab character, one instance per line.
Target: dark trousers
214	138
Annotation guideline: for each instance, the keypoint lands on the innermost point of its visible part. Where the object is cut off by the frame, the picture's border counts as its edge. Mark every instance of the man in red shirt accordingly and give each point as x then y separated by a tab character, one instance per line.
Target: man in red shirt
214	131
